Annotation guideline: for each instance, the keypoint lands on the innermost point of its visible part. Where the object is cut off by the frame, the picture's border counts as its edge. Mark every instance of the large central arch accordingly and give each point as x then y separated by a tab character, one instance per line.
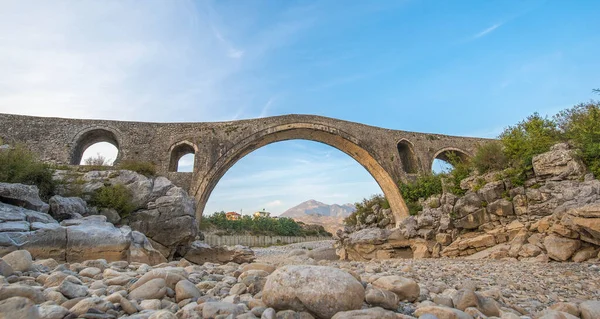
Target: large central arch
305	131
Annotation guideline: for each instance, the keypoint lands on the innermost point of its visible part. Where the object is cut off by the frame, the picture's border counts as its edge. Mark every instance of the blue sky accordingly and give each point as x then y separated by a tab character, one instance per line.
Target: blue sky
451	67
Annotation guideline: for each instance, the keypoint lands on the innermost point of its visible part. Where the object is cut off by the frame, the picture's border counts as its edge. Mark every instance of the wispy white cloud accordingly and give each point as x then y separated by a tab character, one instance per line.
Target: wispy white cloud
265	110
487	31
274	203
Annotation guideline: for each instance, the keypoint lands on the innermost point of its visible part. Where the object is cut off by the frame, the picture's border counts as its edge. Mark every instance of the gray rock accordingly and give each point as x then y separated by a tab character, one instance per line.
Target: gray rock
5	269
213	309
560	248
112	216
19	260
382	298
18	307
71	289
26	196
90	238
322	291
169	221
558	164
20	226
62	208
590	309
404	288
199	253
371	313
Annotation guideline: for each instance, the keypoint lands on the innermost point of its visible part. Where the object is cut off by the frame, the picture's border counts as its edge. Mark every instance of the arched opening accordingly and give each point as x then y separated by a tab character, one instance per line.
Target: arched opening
100	154
282	175
93	142
444	160
407	157
182	157
206	182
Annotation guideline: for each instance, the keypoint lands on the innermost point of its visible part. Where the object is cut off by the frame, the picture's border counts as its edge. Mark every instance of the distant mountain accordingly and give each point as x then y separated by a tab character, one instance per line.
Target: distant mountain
314	212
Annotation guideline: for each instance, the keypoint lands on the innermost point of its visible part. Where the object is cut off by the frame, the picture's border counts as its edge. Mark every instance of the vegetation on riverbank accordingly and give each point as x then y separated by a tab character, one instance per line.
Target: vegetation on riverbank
511	155
281	226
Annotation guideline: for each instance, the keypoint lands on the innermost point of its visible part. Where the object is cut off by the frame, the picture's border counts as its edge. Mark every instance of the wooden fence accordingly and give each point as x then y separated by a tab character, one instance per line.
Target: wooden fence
258	241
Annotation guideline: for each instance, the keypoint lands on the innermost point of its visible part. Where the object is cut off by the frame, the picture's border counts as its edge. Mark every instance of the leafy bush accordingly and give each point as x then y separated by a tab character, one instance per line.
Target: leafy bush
423	187
144	168
489	157
581	126
98	160
534	135
364	209
19	165
117	197
460	170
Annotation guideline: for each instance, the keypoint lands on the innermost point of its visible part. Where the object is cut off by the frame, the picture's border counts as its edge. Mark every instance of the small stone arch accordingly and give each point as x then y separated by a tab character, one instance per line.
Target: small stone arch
91	136
445	154
178	150
407	157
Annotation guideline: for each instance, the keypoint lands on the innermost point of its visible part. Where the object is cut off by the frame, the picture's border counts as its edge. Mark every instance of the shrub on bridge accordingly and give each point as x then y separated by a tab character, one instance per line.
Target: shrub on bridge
144	168
117	197
19	165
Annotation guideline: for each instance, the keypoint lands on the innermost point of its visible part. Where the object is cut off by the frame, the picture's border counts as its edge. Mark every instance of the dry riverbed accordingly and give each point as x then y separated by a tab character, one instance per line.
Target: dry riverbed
284	282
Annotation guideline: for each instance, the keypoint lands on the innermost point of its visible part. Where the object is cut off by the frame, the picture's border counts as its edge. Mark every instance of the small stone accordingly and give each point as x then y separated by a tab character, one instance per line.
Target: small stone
18	307
52	311
371	313
382	298
152	289
186	290
212	309
404	288
72	290
590	309
19	260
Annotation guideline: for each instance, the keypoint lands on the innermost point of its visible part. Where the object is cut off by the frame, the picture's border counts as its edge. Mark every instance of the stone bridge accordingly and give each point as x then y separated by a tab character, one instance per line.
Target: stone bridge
388	155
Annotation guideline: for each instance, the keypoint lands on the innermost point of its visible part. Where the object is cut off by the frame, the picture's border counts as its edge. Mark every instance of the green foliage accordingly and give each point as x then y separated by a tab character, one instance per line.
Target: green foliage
144	168
423	187
489	157
281	226
98	160
460	170
534	135
581	126
364	209
117	197
19	165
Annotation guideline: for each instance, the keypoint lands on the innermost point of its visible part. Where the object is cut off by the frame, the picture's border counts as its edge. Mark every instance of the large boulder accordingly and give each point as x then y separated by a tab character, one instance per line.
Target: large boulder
169	221
62	208
404	288
558	164
199	253
322	291
92	238
26	196
142	251
74	239
585	220
560	248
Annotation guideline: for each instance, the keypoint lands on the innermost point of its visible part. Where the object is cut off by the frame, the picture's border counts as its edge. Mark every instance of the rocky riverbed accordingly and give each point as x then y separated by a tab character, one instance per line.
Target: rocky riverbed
298	281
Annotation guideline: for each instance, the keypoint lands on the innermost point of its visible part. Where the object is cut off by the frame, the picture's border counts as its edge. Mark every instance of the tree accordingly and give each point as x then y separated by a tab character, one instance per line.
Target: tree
98	160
